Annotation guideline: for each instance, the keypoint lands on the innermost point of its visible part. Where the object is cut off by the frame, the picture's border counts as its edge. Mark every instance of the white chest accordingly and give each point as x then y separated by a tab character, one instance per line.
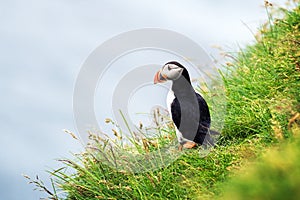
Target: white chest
170	98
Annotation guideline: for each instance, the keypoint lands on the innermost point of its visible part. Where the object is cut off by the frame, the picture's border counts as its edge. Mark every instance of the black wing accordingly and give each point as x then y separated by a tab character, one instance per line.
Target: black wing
195	123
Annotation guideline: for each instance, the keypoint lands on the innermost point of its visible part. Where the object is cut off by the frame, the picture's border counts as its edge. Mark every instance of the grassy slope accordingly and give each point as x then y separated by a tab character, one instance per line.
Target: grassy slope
275	176
262	88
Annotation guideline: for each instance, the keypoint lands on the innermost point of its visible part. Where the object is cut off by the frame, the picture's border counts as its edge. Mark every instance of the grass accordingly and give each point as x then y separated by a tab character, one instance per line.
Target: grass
189	177
263	83
276	175
262	93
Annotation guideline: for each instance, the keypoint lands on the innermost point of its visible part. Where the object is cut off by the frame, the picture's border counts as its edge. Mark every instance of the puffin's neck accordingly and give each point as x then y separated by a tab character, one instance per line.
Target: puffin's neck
182	87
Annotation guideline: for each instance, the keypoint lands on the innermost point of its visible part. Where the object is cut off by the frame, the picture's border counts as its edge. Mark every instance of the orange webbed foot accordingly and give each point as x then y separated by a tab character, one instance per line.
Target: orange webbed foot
189	145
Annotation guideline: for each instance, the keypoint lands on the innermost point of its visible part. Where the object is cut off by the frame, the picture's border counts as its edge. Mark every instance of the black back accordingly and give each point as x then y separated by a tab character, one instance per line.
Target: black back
187	109
190	107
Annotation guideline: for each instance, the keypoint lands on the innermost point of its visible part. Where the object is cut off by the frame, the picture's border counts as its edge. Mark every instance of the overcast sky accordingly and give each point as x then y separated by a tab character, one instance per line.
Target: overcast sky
43	44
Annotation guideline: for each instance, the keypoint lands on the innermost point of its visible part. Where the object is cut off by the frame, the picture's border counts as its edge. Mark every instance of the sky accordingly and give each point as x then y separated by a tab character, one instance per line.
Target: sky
43	45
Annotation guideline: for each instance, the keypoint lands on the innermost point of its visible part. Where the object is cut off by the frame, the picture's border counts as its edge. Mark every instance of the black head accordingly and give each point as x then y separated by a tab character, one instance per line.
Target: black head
171	71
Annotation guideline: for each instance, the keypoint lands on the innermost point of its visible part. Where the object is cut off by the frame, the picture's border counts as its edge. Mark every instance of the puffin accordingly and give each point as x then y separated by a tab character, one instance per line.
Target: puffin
188	109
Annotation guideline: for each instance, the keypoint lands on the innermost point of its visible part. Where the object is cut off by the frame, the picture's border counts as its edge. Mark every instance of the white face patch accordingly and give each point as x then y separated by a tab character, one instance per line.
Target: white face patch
171	71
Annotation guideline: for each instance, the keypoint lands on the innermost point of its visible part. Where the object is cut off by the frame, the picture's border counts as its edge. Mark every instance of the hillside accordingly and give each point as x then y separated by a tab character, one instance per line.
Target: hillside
260	138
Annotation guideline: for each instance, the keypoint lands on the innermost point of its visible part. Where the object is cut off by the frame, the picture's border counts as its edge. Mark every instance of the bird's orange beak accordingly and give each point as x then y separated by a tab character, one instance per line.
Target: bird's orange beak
159	77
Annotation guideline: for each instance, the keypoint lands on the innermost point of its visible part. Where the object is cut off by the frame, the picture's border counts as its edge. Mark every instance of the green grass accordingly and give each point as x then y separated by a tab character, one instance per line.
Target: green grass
189	177
276	175
263	84
263	104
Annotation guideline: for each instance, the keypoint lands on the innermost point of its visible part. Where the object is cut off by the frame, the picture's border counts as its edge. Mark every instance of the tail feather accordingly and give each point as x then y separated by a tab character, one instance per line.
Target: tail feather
211	139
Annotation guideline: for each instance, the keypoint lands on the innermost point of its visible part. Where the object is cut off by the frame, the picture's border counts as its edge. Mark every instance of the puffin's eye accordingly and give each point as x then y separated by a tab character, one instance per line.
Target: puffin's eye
169	68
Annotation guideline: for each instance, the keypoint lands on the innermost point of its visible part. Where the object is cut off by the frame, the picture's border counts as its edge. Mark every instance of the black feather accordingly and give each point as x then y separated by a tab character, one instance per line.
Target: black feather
189	110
